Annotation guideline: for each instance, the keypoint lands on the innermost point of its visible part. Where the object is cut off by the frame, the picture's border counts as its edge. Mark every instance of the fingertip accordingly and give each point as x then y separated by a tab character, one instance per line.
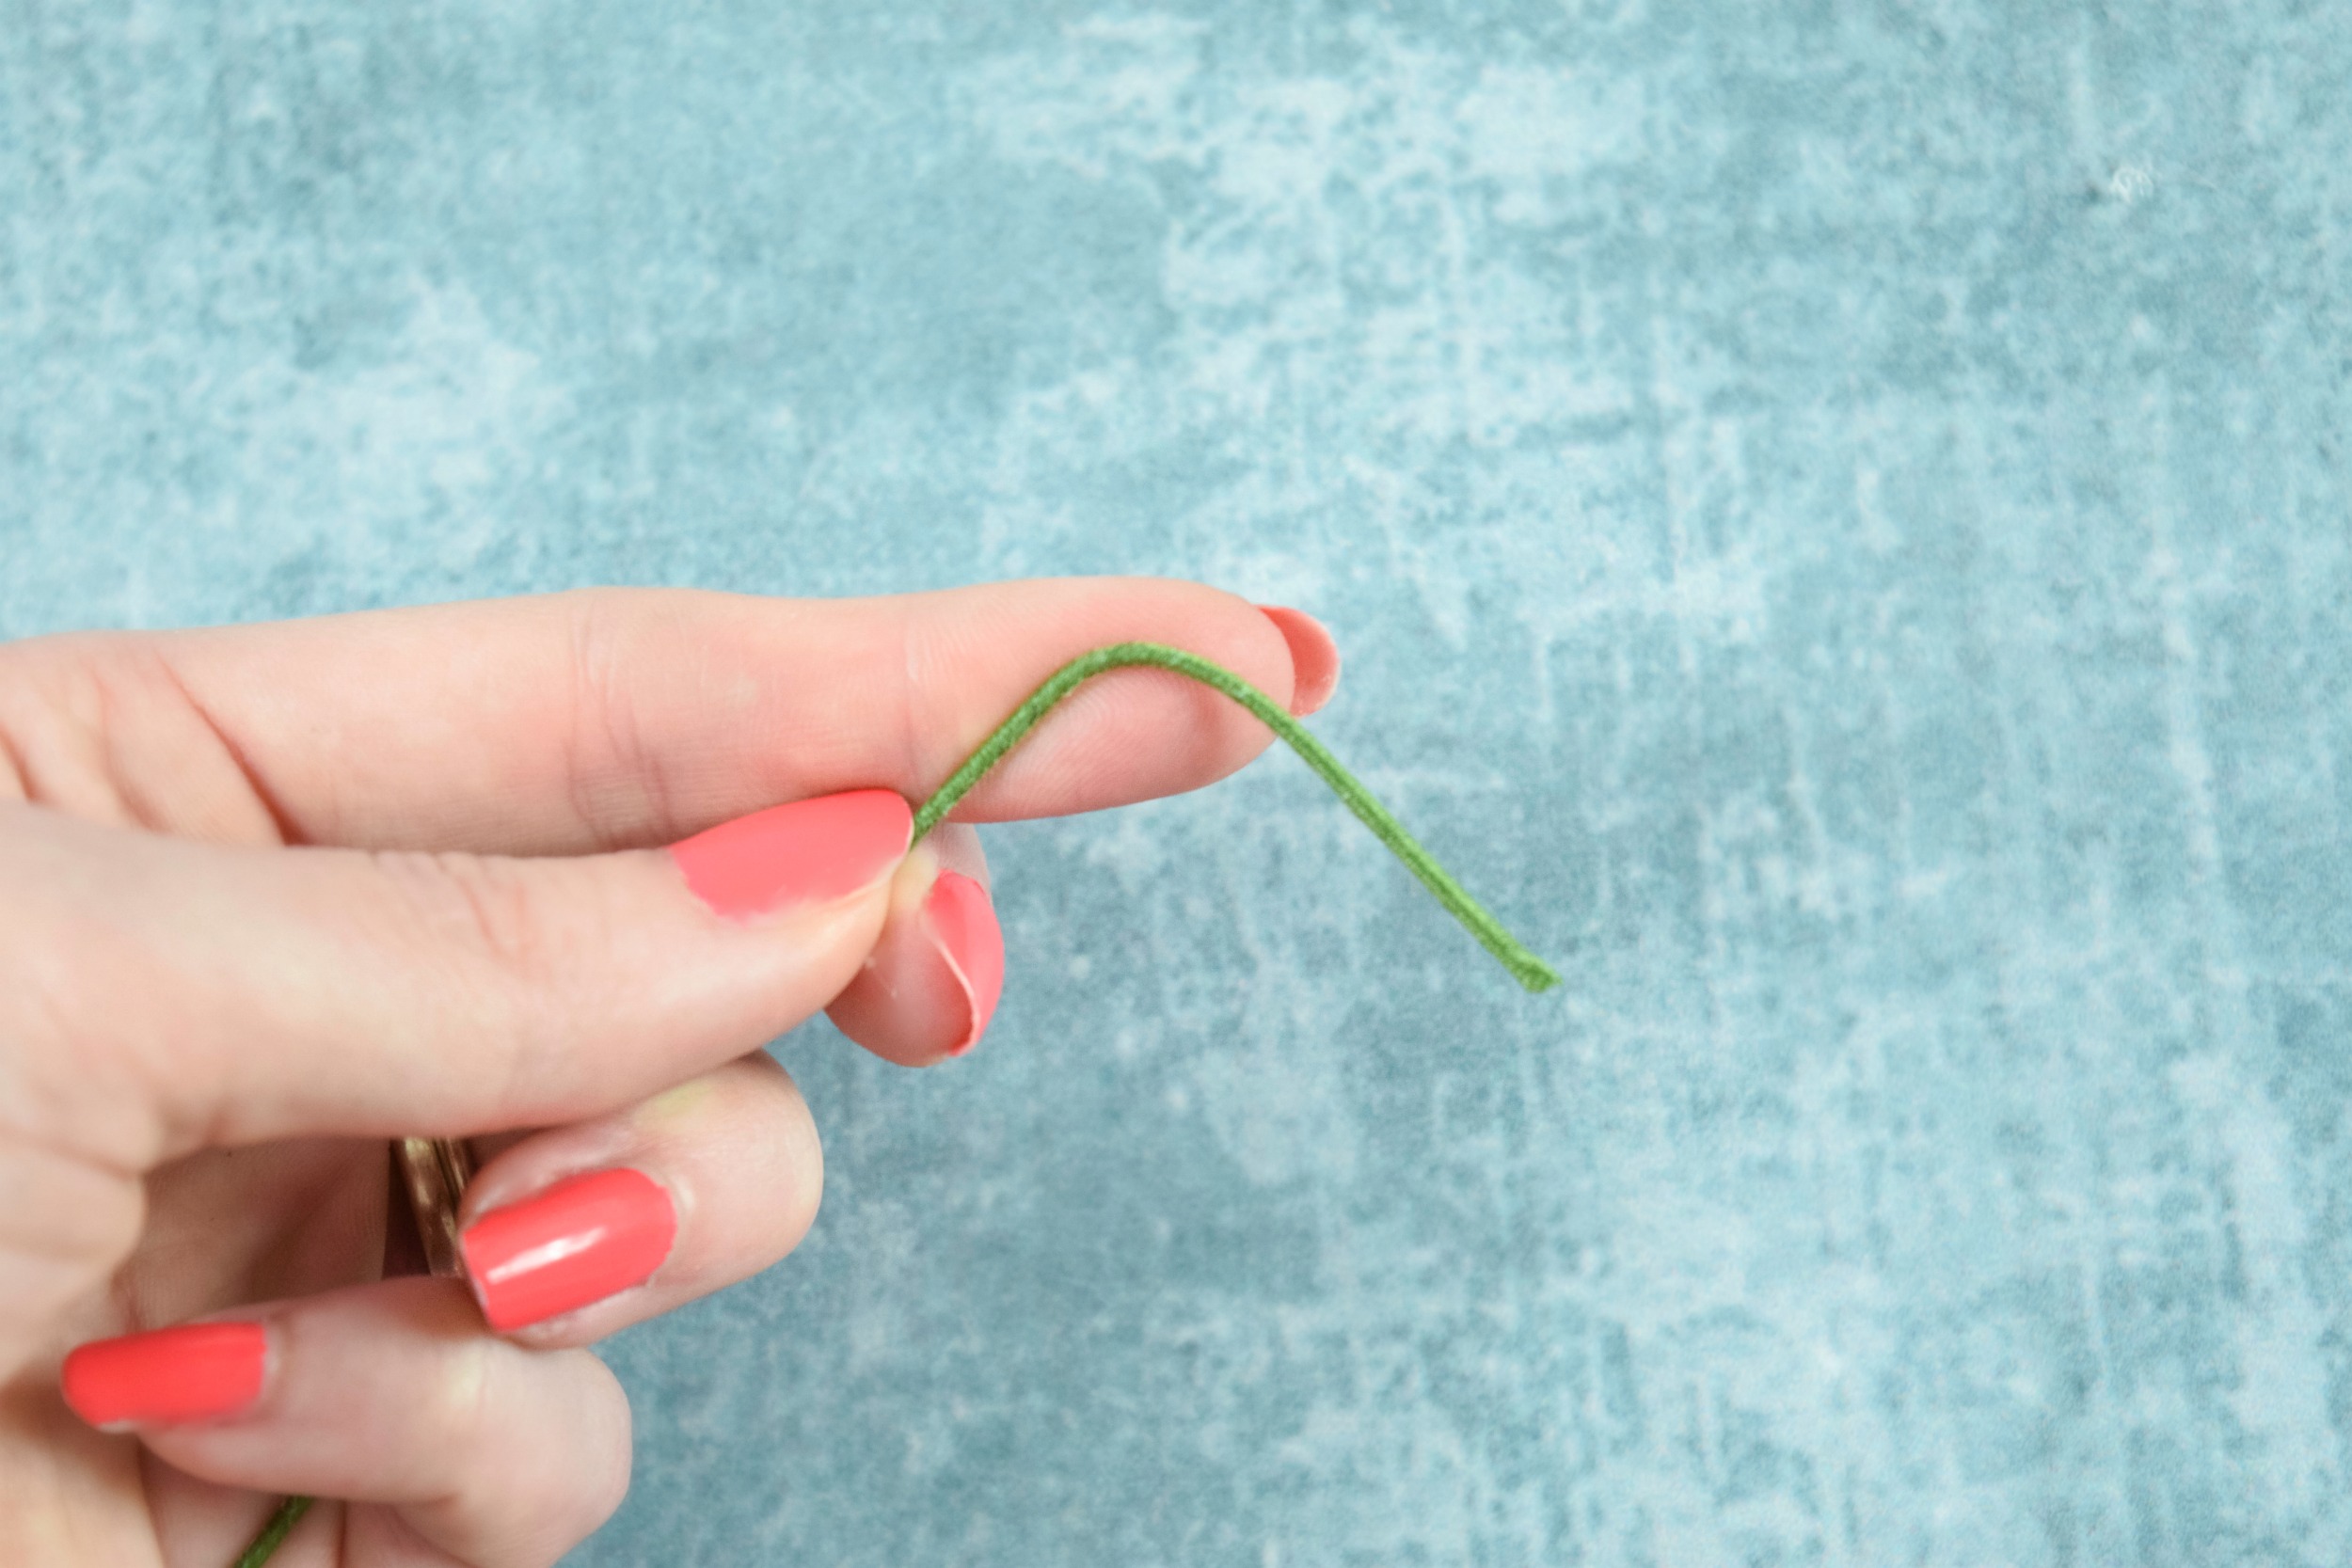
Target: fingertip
930	986
960	918
1314	656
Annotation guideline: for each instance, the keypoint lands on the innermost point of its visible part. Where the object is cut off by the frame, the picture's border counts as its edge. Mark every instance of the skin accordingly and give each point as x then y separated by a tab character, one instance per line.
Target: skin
276	893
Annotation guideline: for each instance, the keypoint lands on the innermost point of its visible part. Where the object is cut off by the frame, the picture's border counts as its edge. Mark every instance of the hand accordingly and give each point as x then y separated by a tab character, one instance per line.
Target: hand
545	874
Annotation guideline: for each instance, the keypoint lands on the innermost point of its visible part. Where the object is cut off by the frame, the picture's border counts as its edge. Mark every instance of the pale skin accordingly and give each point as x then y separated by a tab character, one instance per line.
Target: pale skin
270	895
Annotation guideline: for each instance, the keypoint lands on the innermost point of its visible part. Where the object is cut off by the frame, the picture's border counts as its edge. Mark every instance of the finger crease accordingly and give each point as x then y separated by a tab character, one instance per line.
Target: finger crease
11	768
279	818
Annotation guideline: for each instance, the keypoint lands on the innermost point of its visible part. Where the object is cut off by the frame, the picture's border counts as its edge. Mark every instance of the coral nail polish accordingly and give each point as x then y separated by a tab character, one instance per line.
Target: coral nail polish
189	1373
961	921
579	1242
803	853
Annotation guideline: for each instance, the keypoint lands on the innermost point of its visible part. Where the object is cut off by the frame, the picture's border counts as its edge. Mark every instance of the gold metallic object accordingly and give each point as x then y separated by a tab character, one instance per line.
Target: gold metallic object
436	1171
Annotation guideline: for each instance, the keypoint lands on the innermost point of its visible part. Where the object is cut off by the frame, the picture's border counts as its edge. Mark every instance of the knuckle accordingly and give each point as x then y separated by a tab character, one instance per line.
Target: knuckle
479	912
460	1406
531	952
85	1042
607	738
478	925
509	947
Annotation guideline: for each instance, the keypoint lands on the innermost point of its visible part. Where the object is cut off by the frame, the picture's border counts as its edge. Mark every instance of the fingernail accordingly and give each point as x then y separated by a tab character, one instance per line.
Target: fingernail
579	1242
189	1373
1314	656
802	853
961	921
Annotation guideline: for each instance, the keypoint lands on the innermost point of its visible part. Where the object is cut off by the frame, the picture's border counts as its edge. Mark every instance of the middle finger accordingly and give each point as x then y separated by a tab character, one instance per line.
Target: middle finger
578	1231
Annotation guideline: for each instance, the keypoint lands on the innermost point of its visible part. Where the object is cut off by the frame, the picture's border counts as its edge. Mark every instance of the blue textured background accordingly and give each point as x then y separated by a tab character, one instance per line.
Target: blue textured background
1837	515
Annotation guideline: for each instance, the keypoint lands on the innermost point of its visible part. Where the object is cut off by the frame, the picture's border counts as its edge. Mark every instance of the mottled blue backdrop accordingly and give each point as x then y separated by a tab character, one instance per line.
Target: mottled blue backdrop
1837	513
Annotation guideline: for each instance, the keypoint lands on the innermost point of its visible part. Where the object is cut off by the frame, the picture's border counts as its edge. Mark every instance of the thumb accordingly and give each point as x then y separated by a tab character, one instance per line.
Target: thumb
174	994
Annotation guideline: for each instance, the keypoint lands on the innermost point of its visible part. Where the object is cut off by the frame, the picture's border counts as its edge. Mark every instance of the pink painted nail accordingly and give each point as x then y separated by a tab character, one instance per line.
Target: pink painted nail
961	921
1315	657
189	1373
803	853
578	1242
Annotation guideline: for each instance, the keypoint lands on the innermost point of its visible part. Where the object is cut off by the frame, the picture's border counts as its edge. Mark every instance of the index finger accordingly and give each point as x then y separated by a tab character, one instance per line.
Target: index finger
615	719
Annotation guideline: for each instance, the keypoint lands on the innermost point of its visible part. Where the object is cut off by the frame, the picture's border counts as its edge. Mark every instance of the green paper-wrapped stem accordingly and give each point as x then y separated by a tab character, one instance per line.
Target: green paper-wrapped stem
274	1534
1525	967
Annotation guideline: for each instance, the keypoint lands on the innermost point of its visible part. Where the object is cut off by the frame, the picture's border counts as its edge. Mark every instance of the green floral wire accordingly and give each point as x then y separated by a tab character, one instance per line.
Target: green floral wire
1525	967
272	1534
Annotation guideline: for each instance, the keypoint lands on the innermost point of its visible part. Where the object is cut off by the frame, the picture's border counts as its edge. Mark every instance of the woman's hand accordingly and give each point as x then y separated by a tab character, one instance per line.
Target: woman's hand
545	874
